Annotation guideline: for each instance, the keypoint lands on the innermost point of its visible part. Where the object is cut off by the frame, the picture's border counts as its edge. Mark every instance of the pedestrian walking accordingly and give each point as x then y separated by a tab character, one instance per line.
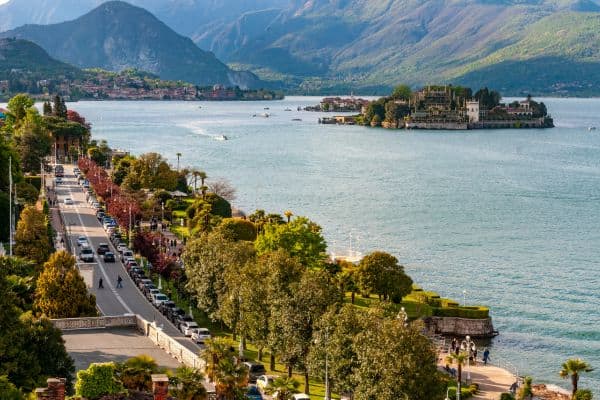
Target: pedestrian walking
486	356
513	388
454	344
119	281
100	285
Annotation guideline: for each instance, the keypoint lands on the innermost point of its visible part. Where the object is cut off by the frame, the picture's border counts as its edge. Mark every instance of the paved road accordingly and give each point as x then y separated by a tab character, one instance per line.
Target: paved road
80	219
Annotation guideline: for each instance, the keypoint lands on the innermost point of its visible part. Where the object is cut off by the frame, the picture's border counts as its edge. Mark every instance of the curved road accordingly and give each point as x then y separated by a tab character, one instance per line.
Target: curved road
81	219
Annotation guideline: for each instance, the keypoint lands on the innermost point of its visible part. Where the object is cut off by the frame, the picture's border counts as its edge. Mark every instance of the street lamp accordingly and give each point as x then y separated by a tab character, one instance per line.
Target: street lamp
325	342
403	316
162	207
469	347
464	298
447	394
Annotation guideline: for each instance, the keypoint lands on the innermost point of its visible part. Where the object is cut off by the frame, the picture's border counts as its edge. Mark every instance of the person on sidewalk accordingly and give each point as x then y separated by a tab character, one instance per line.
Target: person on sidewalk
119	281
486	356
100	285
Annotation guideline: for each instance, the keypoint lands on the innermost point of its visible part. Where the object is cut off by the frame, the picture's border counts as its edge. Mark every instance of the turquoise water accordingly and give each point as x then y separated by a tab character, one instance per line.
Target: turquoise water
510	216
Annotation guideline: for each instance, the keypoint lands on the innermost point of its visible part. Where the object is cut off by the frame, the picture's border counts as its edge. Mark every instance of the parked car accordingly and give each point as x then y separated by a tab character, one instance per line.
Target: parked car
255	370
174	314
253	393
109	256
144	282
121	247
68	201
102	248
81	241
147	287
158	299
166	306
187	327
151	293
131	264
200	335
86	255
127	253
264	381
300	396
100	215
135	271
58	180
182	319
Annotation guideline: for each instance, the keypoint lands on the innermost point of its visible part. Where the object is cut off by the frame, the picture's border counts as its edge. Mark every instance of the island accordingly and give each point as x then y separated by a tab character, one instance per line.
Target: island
447	108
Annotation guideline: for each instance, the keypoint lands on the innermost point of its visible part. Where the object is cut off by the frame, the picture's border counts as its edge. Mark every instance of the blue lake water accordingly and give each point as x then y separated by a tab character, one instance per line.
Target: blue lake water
510	216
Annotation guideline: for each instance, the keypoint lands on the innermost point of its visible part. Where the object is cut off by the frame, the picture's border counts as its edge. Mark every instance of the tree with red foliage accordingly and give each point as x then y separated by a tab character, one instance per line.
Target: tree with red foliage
76	117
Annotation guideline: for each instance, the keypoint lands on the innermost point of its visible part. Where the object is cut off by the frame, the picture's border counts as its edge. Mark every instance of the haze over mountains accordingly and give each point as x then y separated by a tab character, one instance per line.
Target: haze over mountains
538	46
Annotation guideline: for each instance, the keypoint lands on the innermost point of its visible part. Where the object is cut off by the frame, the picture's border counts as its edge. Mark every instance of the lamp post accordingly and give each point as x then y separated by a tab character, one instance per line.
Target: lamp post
447	394
468	346
403	316
162	208
325	341
464	298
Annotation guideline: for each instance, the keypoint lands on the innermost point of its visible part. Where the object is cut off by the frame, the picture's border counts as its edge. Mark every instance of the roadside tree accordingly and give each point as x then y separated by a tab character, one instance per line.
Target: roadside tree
188	384
380	273
98	380
61	291
283	388
32	241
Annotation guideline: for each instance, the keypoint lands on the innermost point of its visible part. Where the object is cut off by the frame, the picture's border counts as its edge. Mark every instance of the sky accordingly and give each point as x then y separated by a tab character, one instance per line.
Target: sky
3	1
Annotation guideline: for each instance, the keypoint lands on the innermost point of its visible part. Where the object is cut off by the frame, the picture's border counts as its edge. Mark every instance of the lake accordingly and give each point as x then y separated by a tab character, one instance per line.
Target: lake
510	216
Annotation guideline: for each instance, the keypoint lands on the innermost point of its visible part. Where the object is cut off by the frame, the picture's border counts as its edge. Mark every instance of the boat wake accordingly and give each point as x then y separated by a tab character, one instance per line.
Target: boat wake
196	129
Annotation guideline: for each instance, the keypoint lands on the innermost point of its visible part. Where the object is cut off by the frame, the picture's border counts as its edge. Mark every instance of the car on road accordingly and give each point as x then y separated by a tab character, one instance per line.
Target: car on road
300	396
129	264
68	201
86	255
158	299
147	287
200	335
166	306
143	282
109	256
264	381
255	370
102	248
174	314
253	393
151	293
188	327
58	180
126	255
180	319
82	241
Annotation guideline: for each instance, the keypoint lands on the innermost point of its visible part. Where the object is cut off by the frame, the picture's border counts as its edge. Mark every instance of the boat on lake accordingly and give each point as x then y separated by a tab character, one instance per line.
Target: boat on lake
221	138
591	128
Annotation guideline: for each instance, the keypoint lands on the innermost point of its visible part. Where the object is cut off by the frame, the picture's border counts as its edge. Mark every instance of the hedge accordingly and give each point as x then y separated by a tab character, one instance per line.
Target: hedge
465	391
36	181
462	312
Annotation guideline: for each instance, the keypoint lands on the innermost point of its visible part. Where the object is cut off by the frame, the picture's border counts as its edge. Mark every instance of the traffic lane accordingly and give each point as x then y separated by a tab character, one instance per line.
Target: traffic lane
130	297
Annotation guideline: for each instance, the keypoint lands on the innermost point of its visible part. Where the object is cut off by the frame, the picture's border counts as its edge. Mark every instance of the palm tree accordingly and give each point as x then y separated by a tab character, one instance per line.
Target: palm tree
230	379
214	351
573	367
188	384
178	155
288	214
460	359
283	388
202	175
136	372
526	392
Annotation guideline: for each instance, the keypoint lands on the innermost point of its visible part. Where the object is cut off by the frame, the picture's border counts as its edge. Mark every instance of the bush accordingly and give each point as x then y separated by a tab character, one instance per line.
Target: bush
97	381
462	312
583	394
35	181
27	192
507	396
466	392
238	229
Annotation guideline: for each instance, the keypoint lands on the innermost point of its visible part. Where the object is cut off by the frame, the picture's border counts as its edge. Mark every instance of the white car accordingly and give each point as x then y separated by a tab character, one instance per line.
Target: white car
301	396
200	335
82	241
68	201
158	299
264	381
187	327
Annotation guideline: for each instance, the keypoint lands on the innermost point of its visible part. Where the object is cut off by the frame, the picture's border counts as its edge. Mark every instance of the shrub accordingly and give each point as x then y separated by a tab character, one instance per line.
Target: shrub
466	392
97	381
462	312
238	229
583	394
36	181
507	396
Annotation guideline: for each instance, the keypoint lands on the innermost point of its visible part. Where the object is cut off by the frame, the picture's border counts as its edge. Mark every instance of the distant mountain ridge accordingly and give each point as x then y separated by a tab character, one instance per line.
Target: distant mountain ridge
368	46
117	35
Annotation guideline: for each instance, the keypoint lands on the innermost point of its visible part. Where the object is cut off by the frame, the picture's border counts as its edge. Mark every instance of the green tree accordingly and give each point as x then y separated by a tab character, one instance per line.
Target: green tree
31	236
460	360
188	384
136	372
215	350
298	314
8	391
61	291
583	394
17	107
32	141
572	368
59	108
333	338
395	362
238	229
380	273
526	391
283	388
301	238
97	381
402	92
47	110
230	379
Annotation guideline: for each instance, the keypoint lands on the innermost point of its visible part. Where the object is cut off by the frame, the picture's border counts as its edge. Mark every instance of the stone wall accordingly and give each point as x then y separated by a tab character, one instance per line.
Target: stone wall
67	324
169	345
452	326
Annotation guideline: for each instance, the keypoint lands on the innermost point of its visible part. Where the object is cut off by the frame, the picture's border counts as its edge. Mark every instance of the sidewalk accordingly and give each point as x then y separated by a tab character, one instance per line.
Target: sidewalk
492	380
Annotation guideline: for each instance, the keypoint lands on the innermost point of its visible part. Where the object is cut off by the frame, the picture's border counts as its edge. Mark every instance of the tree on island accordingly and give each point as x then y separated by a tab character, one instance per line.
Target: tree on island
402	92
572	368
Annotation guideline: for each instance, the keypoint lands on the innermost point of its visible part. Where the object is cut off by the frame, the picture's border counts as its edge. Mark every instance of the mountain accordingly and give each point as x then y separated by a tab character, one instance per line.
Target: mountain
370	45
117	35
24	58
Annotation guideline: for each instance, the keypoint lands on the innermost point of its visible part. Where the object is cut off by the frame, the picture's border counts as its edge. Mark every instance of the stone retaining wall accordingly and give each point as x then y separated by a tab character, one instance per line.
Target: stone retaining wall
69	324
453	326
148	329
